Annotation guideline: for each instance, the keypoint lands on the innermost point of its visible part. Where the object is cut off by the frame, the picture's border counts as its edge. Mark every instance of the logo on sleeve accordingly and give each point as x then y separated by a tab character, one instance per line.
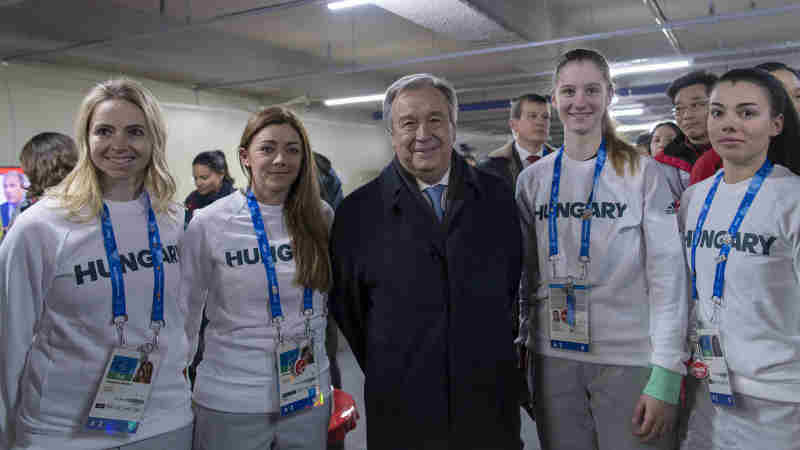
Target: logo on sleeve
673	207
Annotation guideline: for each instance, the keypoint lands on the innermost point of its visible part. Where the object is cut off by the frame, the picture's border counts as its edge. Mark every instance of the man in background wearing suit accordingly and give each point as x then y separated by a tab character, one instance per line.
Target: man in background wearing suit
426	266
530	126
13	188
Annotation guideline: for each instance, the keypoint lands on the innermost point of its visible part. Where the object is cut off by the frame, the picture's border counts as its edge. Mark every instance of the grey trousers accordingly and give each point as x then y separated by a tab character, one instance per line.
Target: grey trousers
752	424
180	439
584	406
218	430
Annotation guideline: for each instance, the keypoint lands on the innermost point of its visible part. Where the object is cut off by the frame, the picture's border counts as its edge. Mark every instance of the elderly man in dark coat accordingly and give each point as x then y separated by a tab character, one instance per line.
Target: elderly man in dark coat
426	264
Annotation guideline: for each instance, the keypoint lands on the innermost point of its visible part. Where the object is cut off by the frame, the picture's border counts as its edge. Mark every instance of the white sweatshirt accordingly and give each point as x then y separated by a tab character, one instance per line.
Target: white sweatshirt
55	324
760	321
639	297
223	272
677	179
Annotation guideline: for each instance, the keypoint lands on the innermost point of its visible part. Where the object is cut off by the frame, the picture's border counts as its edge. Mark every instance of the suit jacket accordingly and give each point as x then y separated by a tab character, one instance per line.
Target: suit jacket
505	163
426	308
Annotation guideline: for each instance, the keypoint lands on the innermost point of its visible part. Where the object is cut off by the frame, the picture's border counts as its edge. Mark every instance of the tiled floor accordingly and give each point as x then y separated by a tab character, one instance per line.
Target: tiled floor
353	383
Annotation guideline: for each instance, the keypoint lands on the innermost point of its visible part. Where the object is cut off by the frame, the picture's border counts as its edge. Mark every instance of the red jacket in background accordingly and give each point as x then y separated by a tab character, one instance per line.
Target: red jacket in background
705	166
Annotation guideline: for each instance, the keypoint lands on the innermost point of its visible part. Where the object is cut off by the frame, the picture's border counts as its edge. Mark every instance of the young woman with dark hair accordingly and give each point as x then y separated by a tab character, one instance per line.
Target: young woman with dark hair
742	230
212	178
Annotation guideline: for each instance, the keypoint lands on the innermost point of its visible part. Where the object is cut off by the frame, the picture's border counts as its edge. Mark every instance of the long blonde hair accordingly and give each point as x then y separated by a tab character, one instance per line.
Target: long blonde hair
80	193
619	152
302	210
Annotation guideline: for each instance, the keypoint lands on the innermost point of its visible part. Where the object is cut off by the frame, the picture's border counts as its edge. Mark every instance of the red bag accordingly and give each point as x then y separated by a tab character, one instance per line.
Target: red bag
343	416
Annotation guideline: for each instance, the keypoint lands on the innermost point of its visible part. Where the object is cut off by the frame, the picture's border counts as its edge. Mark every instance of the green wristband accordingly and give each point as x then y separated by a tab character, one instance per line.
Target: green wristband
664	385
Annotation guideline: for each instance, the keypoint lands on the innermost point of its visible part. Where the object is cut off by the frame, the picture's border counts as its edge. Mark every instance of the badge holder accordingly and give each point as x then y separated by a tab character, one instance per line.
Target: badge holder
712	367
124	391
298	371
569	313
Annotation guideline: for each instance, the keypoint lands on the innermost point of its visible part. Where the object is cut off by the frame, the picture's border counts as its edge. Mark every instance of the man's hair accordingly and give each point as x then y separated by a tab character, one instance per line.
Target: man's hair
516	103
707	79
774	66
418	81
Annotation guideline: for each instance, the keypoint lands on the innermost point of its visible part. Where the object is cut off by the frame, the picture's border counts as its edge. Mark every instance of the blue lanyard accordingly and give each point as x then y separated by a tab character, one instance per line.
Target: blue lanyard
722	259
115	269
269	265
586	225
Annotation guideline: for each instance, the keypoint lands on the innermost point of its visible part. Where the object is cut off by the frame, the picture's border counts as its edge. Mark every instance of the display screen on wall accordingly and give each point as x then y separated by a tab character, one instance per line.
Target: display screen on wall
13	192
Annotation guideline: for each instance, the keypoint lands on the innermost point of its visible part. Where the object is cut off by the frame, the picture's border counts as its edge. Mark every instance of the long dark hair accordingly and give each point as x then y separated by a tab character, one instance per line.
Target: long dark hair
783	148
619	151
216	162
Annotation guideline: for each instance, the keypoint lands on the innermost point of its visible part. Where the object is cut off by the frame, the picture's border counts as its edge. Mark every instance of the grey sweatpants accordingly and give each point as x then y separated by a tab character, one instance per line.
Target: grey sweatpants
218	430
180	439
584	406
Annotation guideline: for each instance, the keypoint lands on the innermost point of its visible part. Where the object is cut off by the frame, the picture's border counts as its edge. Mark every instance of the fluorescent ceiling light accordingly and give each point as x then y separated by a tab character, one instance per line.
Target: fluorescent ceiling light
349	100
627	112
637	127
625	69
333	6
628	105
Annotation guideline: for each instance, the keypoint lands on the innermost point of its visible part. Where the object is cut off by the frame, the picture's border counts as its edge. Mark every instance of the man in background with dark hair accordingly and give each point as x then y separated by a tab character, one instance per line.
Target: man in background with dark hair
788	77
689	95
530	126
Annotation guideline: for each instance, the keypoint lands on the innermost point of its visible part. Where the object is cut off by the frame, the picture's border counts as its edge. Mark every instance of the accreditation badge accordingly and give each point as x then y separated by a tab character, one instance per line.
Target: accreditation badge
298	376
715	367
569	315
124	391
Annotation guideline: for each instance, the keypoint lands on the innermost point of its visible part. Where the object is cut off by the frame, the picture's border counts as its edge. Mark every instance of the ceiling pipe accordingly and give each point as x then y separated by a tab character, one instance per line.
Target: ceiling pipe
749	14
661	19
165	29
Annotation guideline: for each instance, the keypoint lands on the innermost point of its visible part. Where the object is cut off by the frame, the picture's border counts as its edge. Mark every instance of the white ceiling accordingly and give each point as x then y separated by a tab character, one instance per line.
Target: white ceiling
490	49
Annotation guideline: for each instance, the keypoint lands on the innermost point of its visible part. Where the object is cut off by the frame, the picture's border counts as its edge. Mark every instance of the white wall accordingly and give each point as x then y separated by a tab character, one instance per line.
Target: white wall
38	97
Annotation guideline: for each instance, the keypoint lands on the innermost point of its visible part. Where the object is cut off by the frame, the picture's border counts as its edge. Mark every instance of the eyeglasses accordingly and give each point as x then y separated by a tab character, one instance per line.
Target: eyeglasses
679	111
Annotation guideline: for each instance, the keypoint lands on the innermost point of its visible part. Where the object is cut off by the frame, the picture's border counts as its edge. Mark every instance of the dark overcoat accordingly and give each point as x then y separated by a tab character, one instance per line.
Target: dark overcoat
426	308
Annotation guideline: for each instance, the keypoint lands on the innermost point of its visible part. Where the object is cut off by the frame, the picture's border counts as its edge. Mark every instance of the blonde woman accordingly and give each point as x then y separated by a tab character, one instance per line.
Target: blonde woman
88	293
258	261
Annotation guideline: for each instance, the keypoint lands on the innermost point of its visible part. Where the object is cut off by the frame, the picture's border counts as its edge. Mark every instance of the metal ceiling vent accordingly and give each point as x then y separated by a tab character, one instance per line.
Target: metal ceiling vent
456	19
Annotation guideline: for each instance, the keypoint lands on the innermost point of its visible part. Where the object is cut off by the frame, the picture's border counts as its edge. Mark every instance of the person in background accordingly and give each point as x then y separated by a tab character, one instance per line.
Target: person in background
530	128
643	143
91	272
663	134
746	287
676	170
426	265
212	178
46	159
689	95
608	375
14	190
258	262
330	187
788	77
213	181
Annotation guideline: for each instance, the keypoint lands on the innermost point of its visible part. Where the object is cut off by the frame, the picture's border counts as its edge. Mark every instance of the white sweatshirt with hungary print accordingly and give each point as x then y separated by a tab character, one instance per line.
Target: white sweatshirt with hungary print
639	298
759	322
56	331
